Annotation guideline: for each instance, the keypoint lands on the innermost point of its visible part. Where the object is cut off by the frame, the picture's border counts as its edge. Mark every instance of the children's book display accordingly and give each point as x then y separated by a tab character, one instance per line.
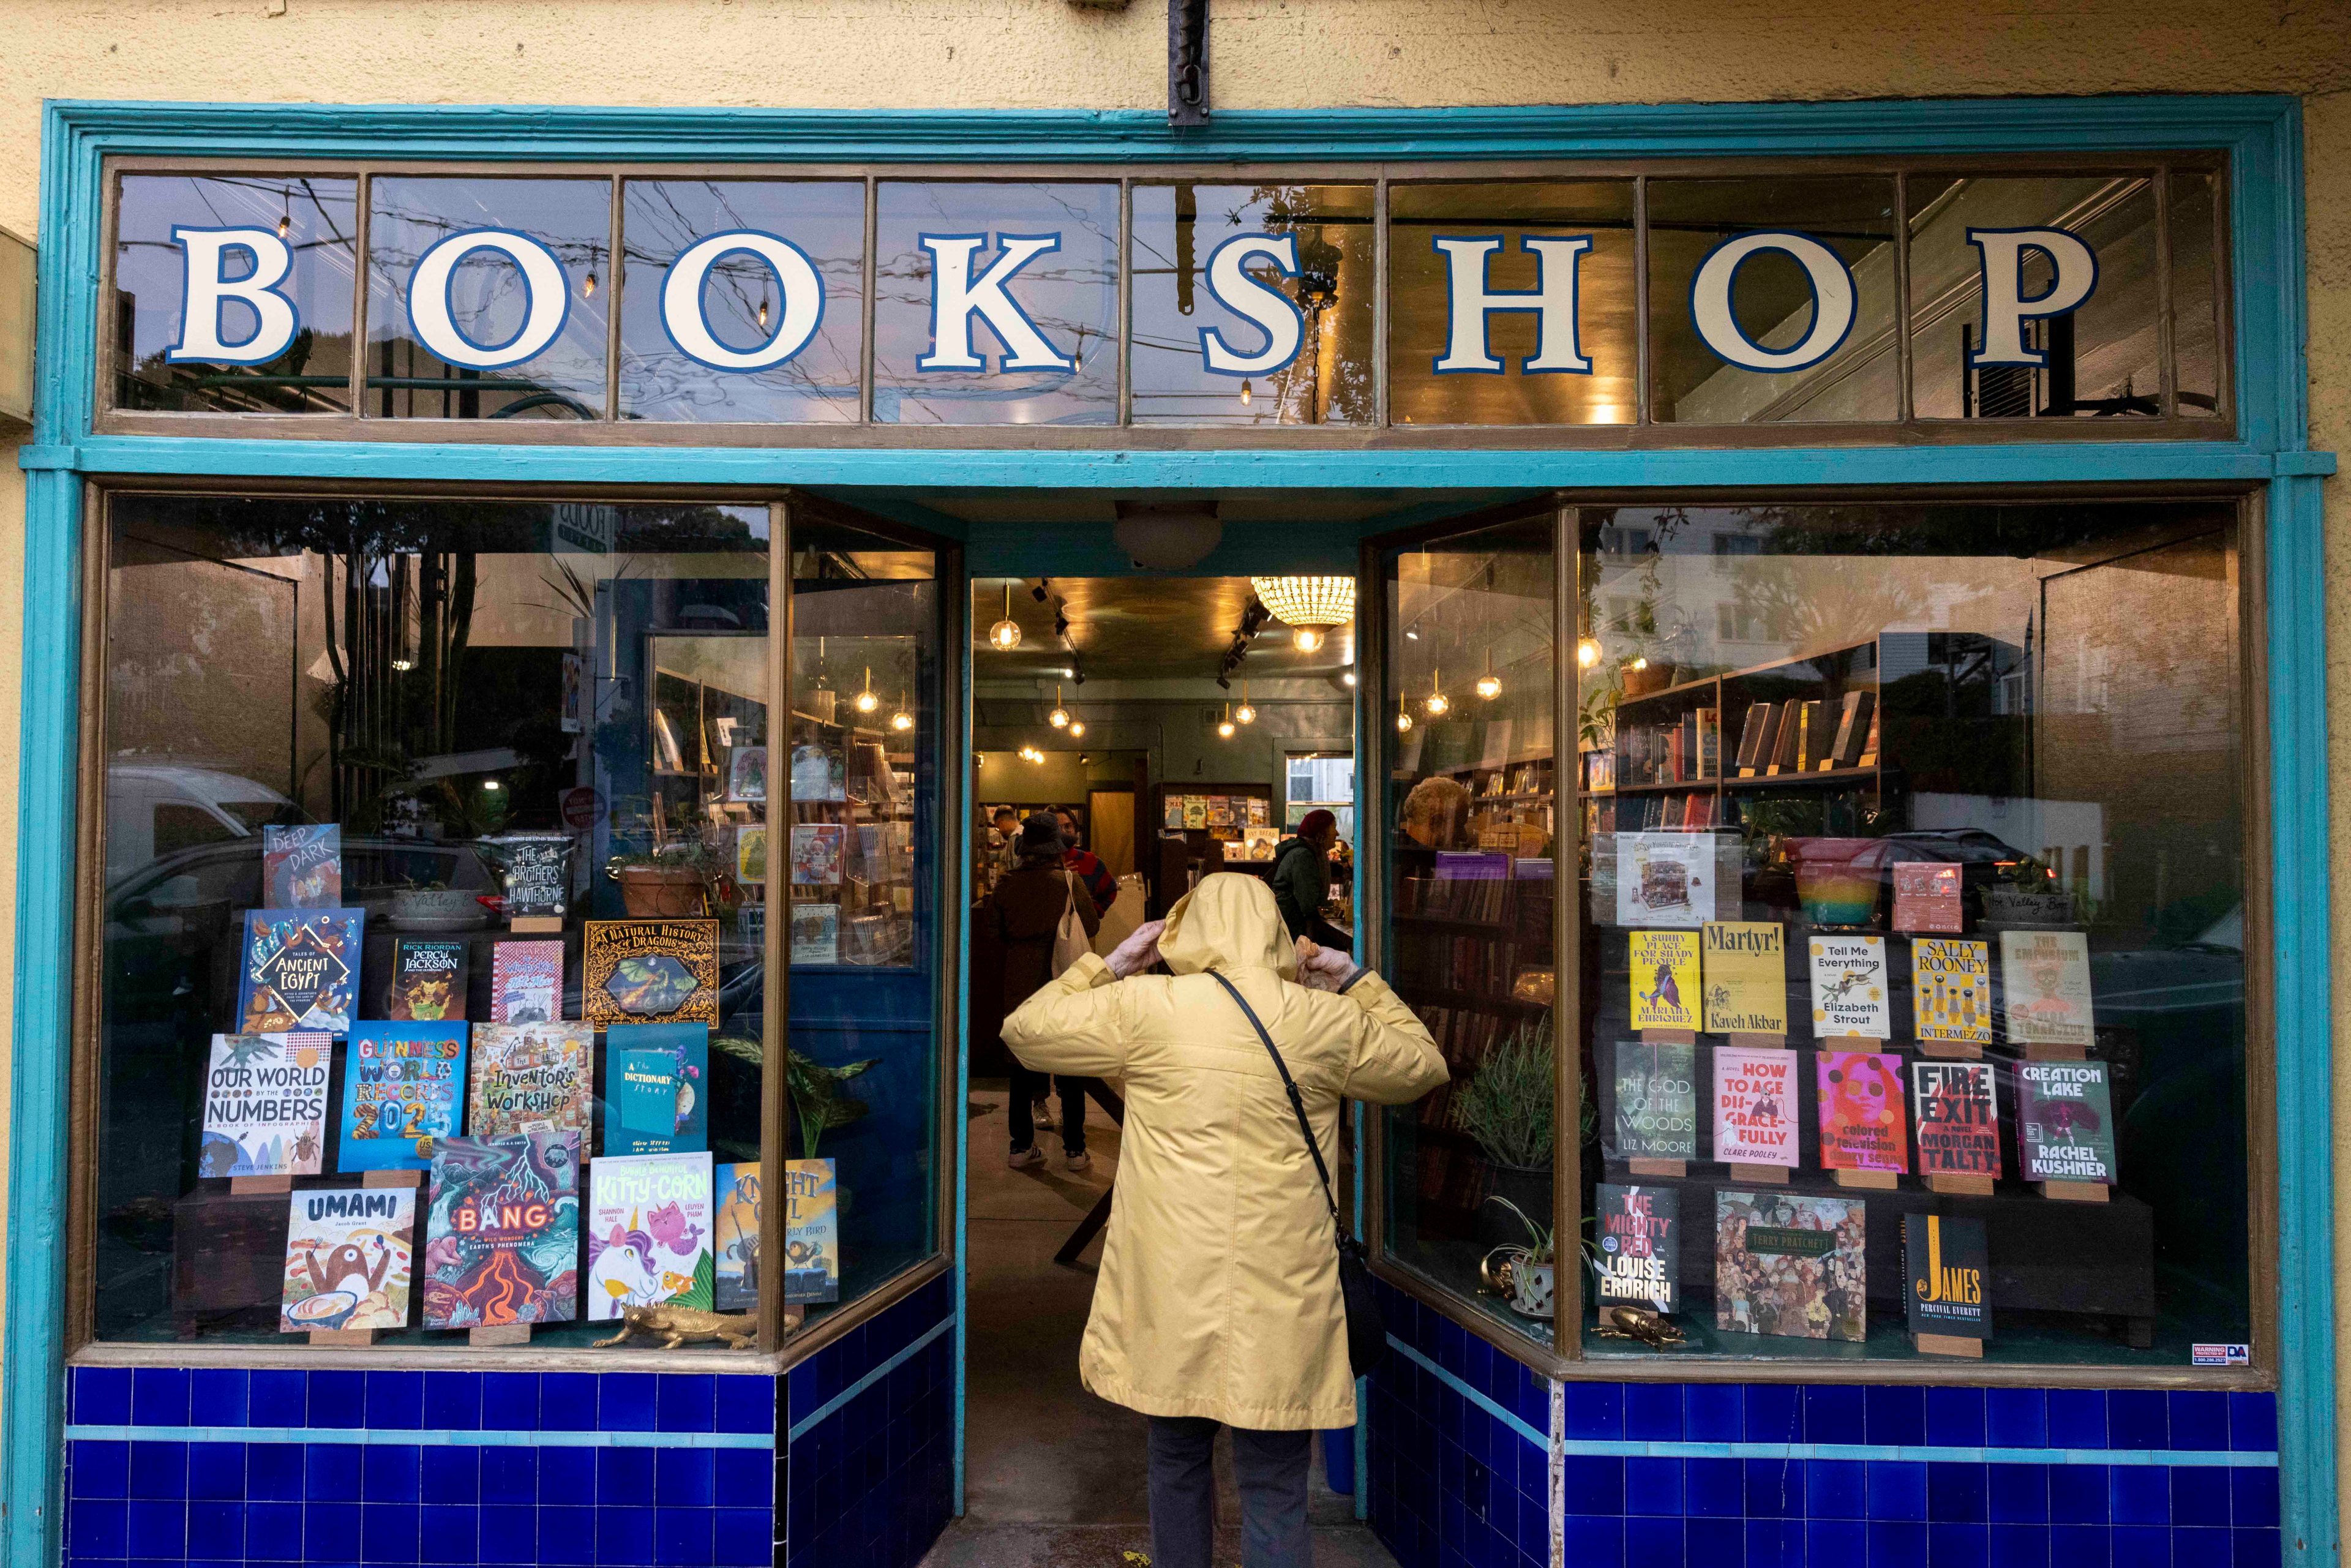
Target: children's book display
403	1090
428	981
812	1232
349	1257
300	970
656	1081
649	1236
527	982
502	1240
650	971
530	1078
266	1104
735	1241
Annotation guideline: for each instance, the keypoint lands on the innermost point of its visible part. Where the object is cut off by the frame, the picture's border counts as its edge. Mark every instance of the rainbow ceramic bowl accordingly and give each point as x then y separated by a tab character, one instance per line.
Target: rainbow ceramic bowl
1836	880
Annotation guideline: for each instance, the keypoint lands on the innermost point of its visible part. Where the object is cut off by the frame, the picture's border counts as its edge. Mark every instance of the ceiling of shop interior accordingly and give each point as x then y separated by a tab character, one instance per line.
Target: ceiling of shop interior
1245	506
1137	628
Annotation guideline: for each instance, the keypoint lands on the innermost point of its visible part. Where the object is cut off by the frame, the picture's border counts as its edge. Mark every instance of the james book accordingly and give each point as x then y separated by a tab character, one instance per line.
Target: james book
502	1239
266	1104
300	970
302	867
404	1093
1656	1102
1790	1265
527	982
1861	1124
1755	1106
1745	964
649	1237
1640	1246
1949	1263
1958	1118
530	1078
2064	1122
428	981
650	971
656	1088
349	1258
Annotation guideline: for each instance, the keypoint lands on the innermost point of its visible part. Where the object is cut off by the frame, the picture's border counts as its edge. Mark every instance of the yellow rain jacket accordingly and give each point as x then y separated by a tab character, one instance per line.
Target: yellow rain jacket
1219	1287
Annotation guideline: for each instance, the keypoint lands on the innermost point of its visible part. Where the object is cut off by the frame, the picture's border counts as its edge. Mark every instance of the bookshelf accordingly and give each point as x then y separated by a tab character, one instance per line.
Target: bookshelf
852	890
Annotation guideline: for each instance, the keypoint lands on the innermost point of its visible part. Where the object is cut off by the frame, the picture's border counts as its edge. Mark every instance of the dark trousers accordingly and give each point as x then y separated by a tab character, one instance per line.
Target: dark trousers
1272	1467
1028	1087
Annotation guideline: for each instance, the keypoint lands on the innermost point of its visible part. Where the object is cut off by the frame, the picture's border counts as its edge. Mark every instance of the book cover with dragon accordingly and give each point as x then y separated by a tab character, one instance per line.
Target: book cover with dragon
502	1235
649	1237
349	1258
650	971
428	981
299	970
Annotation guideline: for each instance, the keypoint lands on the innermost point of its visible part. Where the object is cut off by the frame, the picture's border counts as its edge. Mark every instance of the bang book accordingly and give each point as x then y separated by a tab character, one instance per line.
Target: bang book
302	868
1754	1106
1861	1124
1950	989
349	1257
1665	972
1745	964
648	1233
650	971
403	1092
1785	1264
428	981
654	1080
300	970
812	1232
530	1078
1958	1118
502	1241
735	1221
526	982
1640	1246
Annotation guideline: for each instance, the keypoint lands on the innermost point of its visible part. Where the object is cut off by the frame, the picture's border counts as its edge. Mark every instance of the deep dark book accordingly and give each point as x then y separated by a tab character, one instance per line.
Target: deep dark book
1751	733
1948	1265
1640	1247
428	982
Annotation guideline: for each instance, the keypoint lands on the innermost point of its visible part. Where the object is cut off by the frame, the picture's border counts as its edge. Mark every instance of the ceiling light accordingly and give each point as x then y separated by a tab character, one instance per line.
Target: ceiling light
866	702
1347	678
1005	635
1225	728
1411	636
1313	606
489	784
1245	713
1059	717
1489	684
1435	701
1245	392
1077	727
403	664
1403	716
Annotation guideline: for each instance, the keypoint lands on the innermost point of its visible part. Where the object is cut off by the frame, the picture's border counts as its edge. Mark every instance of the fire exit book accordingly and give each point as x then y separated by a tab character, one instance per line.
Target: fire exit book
526	982
812	1232
1861	1124
403	1092
656	1084
1656	1102
1746	985
1927	896
502	1236
300	970
266	1104
349	1258
1949	1263
1665	972
1958	1118
428	981
2046	977
1755	1106
2064	1122
302	867
735	1242
648	1232
1849	990
1792	1265
1950	989
1640	1246
650	971
530	1078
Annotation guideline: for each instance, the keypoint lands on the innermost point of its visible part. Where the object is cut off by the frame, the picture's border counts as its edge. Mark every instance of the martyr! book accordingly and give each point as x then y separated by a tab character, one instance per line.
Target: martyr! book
1746	984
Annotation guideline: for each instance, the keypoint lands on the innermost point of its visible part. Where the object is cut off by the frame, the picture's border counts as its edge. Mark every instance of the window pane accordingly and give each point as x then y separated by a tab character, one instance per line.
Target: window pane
743	300
1039	345
1470	893
1422	390
1914	852
2195	294
493	308
1317	782
1327	380
2099	360
519	919
1823	334
317	219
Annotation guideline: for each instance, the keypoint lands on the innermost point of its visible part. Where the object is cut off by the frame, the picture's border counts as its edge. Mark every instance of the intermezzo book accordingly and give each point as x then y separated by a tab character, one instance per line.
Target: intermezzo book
1950	989
351	1253
428	981
747	774
1745	968
1861	1124
648	1233
650	971
502	1240
1640	1246
266	1104
1665	975
812	1232
1664	879
1755	1106
526	982
1927	896
1958	1118
820	772
1849	987
816	854
2046	976
1948	1261
815	934
403	1093
1787	1264
1656	1102
302	868
656	1088
530	1078
735	1223
300	970
2064	1122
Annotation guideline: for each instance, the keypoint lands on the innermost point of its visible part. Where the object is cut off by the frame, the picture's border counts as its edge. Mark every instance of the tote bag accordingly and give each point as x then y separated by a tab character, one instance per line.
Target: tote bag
1071	941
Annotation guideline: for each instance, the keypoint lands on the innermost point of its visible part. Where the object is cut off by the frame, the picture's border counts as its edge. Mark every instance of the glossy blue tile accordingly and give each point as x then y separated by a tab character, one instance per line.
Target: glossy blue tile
1713	1412
1955	1418
1595	1410
391	1473
567	1475
395	1400
1896	1546
1956	1493
216	1471
216	1396
2081	1545
745	1478
2253	1497
1715	1542
2016	1417
453	1400
278	1398
567	1535
331	1472
448	1533
156	1529
625	1476
97	1527
2199	1419
683	1478
2255	1548
1836	1541
1775	1544
337	1399
2199	1495
1959	1545
1653	1486
1894	1414
1836	1488
1834	1412
2252	1423
1775	1413
746	1405
1593	1541
1774	1488
101	1396
2141	1546
273	1472
743	1538
509	1474
273	1531
2019	1546
1715	1487
2080	1494
98	1470
159	1470
624	1401
2018	1494
1653	1542
1898	1490
683	1537
450	1476
2199	1546
1653	1411
2077	1418
567	1402
686	1402
510	1401
388	1531
2137	1418
2139	1494
159	1396
509	1533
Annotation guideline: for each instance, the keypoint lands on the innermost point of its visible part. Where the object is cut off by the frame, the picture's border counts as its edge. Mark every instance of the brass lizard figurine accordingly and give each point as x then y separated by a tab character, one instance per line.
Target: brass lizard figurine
674	1326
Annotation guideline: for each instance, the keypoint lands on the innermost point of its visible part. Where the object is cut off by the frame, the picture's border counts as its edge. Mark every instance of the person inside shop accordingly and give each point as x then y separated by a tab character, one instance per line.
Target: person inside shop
1027	905
1218	1300
1085	862
1301	880
1007	835
1436	812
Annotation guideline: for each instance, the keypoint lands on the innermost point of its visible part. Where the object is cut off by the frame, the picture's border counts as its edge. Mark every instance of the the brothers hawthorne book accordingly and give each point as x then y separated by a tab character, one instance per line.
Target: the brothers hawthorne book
1861	1124
266	1104
1755	1106
502	1239
302	867
527	982
2064	1122
349	1256
1792	1265
1746	976
1640	1246
1950	989
1656	1102
735	1210
428	981
1958	1118
650	971
2046	977
1849	989
300	970
649	1237
530	1078
656	1088
1949	1263
403	1093
1664	973
812	1232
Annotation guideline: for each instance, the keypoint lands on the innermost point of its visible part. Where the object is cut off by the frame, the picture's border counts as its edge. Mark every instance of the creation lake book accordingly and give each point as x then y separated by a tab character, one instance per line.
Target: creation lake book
502	1236
747	774
649	1237
1927	896
735	1241
266	1104
1958	1118
812	1232
1861	1124
302	867
300	970
404	1093
816	854
1755	1107
530	1078
650	971
526	982
2046	977
656	1088
1949	1263
1950	989
1849	989
428	981
1640	1247
2064	1122
1664	976
351	1253
1745	966
1790	1265
1656	1102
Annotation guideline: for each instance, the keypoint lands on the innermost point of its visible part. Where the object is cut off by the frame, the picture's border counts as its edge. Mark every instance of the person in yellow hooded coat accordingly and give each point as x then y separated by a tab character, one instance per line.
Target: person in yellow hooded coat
1218	1299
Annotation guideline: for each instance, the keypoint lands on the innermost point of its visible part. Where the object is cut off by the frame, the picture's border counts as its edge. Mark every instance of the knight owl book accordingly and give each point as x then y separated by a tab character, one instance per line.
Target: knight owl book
403	1093
1664	978
1744	969
2046	976
1861	1124
735	1206
527	982
1950	989
812	1232
649	1237
2064	1122
1790	1265
650	971
266	1104
502	1235
1948	1261
1755	1107
1656	1102
656	1088
1849	989
1958	1118
349	1258
428	981
300	970
302	867
1640	1246
530	1078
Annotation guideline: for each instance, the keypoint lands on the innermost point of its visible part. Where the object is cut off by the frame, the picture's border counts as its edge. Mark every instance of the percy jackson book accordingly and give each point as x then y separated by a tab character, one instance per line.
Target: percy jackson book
650	971
1948	1263
300	970
428	981
502	1238
1640	1247
2064	1122
1790	1265
1656	1102
302	867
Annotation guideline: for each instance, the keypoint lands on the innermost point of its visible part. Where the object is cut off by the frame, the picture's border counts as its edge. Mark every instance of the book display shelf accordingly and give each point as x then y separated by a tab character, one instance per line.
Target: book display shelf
709	751
853	808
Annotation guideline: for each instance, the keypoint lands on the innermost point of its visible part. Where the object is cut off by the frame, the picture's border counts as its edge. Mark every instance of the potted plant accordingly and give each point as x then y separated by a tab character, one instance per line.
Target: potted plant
1509	1106
2026	894
668	884
1526	1271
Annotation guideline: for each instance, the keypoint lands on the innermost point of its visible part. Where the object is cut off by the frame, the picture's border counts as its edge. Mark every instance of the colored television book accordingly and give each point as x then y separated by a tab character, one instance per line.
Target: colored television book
1755	1107
1854	716
2064	1122
1948	1261
1656	1102
2046	976
1950	989
650	971
1849	988
502	1235
1640	1247
747	774
266	1104
649	1237
1926	897
815	934
816	854
428	981
302	867
1665	978
1790	1265
350	1254
526	982
299	970
1958	1118
735	1235
1745	968
404	1093
1751	731
530	1078
1861	1124
656	1088
812	1232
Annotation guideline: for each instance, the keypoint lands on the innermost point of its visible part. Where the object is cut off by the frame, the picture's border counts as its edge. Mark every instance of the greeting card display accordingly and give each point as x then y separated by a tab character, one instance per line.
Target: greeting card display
527	982
300	970
1755	1106
428	981
2064	1122
403	1092
820	772
1927	896
816	854
350	1260
650	971
656	1077
815	934
1849	988
1948	1261
302	867
751	855
1746	984
1959	1119
1861	1124
2046	976
1666	879
1656	1102
266	1104
1950	989
812	1232
530	1078
735	1210
1785	1264
1640	1247
648	1233
502	1240
1665	972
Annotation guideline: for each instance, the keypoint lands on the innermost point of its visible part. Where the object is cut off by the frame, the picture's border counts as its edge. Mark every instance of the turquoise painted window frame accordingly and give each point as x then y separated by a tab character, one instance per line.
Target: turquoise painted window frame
2260	138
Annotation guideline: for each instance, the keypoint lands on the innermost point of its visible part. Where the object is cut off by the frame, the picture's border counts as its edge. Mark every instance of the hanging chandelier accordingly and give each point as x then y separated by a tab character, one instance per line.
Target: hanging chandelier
1005	635
1312	606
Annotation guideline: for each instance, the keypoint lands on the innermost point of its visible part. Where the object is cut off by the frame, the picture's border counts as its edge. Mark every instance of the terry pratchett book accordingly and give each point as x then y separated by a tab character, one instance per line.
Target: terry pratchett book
300	970
1745	968
526	982
650	971
530	1078
1664	975
302	867
1849	988
266	1104
349	1257
1958	1118
1950	989
1755	1106
812	1232
1656	1102
502	1238
1792	1265
1640	1246
735	1222
656	1077
403	1092
648	1233
1861	1124
428	981
2064	1122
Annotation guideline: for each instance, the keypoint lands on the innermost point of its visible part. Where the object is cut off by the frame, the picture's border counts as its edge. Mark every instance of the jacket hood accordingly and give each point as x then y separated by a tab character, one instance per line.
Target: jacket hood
1228	922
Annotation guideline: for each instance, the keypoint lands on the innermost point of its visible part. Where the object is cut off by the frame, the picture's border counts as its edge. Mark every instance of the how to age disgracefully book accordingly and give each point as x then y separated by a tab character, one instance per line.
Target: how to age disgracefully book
1755	1106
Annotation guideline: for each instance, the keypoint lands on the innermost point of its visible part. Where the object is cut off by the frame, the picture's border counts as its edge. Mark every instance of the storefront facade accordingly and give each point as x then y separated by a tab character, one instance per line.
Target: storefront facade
1525	330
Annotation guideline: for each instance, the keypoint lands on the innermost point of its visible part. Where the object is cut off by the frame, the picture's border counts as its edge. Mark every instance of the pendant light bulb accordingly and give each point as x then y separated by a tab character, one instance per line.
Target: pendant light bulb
1404	717
903	719
1059	717
1225	727
1077	727
1005	635
1307	639
1489	684
1245	713
763	312
1434	702
285	223
866	701
1245	392
1587	651
592	283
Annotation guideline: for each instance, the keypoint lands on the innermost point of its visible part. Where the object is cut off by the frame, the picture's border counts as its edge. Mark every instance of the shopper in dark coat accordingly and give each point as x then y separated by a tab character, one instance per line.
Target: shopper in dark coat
1026	906
1302	876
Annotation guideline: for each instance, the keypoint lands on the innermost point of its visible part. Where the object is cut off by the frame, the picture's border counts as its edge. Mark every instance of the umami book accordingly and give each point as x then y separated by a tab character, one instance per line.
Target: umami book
502	1240
1640	1247
1664	969
266	1104
648	1233
1755	1106
650	971
1849	989
1861	1124
428	981
1746	985
1790	1265
299	970
2046	976
1950	989
812	1232
403	1093
1949	1263
526	982
2064	1122
1656	1102
530	1078
1958	1118
302	867
350	1253
656	1077
734	1210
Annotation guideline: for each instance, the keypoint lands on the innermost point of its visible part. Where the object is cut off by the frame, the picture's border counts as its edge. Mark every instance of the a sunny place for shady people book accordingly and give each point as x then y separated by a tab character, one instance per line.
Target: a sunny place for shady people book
1664	978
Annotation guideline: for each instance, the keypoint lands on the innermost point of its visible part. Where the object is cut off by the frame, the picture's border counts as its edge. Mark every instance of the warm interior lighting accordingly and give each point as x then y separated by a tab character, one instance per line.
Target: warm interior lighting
1311	605
763	312
1435	701
1489	684
1347	678
866	701
1403	716
490	784
1059	717
1641	664
1225	727
1005	635
1077	727
1587	651
403	664
286	222
1245	713
1245	392
903	719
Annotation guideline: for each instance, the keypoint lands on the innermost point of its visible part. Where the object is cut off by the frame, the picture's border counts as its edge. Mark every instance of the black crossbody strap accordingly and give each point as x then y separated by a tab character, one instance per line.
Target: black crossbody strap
1297	1100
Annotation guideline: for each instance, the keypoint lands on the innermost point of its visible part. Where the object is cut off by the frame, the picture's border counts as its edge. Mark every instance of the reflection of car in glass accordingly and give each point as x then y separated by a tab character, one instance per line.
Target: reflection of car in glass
157	810
1980	857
